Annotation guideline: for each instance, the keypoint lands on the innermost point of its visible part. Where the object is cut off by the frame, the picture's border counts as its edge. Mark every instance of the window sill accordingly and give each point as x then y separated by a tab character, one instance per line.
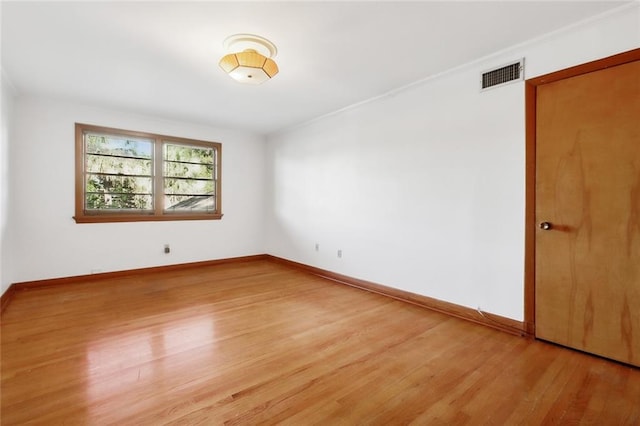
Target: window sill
144	218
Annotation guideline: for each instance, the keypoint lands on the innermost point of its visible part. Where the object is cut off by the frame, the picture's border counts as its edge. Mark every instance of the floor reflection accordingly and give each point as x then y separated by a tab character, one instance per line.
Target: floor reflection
129	361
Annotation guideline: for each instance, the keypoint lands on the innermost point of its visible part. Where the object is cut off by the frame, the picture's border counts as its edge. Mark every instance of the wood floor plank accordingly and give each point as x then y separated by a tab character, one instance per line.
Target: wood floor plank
261	343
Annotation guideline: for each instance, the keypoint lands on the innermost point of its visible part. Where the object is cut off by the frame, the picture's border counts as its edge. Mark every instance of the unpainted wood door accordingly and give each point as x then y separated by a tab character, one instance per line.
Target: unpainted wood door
587	265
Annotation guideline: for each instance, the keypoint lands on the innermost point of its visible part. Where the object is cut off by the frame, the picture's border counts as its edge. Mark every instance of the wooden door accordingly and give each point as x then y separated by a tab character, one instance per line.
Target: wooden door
587	265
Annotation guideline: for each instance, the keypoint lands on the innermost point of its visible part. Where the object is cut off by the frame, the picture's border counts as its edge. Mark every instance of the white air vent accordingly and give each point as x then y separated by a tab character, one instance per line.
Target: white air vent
502	75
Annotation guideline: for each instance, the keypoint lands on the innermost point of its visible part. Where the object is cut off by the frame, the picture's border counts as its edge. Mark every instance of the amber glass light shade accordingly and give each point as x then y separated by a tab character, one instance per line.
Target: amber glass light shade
249	66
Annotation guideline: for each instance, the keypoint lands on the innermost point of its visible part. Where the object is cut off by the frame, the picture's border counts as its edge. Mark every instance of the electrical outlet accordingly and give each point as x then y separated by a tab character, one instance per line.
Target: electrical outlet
167	249
340	254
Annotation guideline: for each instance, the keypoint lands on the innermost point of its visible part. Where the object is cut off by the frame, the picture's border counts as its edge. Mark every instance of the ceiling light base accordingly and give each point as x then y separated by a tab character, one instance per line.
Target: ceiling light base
241	42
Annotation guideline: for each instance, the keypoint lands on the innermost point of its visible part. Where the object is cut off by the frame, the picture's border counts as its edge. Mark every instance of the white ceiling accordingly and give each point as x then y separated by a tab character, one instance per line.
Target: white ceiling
160	58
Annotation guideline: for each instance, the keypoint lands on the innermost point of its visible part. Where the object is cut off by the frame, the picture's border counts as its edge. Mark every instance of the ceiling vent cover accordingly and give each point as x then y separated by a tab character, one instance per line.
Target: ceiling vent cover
503	75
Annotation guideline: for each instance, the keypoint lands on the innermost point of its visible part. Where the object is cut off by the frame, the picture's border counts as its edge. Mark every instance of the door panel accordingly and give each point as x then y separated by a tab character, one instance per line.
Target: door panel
587	266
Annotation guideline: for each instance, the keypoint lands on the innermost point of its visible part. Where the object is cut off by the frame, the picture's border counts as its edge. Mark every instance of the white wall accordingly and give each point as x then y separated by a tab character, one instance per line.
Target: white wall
423	189
6	113
47	243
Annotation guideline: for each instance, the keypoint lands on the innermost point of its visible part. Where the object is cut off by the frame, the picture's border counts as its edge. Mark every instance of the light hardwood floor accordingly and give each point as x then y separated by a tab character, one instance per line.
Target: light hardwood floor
261	343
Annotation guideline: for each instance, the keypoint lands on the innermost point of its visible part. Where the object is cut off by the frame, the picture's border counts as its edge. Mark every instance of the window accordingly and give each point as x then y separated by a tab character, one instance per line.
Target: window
125	176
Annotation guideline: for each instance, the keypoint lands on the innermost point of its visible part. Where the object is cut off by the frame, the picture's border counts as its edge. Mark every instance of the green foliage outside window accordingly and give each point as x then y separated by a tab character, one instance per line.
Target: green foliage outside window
188	173
119	173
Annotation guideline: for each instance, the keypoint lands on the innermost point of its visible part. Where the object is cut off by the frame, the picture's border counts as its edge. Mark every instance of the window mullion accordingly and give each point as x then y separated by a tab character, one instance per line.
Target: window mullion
158	187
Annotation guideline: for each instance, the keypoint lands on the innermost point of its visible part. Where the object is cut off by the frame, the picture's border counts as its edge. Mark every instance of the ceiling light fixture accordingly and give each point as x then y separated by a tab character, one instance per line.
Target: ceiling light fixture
249	60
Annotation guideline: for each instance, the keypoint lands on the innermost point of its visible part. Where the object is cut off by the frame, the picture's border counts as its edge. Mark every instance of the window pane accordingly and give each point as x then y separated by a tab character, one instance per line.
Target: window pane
200	203
124	146
120	184
118	165
188	187
188	154
115	170
189	183
188	170
110	201
118	192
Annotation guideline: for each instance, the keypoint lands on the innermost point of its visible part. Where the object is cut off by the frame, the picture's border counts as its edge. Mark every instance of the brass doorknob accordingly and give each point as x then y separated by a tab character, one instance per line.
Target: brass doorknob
545	226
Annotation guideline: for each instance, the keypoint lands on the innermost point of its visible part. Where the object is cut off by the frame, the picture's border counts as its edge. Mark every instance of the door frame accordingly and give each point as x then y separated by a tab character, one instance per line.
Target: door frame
530	169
